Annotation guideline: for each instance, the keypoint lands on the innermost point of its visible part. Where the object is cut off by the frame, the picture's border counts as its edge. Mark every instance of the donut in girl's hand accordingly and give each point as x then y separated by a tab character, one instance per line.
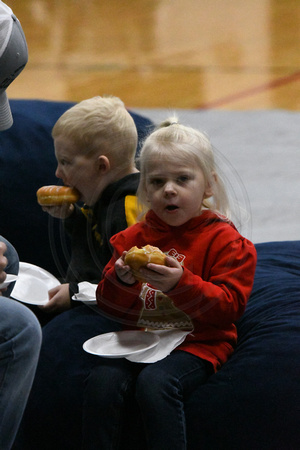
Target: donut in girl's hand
136	258
56	195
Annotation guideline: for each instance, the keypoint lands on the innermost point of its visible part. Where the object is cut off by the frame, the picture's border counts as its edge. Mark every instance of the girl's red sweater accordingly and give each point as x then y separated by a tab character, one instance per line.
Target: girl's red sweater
219	266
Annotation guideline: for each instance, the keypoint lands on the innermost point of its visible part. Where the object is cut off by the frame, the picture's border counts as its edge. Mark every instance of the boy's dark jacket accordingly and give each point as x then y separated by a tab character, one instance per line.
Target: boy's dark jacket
90	229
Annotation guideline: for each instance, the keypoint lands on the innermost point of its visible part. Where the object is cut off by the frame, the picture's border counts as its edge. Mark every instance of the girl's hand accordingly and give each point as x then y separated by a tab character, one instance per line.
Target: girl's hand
161	277
123	271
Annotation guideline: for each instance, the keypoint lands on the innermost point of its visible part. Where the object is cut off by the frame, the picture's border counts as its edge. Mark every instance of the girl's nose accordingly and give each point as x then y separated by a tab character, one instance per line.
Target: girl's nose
170	188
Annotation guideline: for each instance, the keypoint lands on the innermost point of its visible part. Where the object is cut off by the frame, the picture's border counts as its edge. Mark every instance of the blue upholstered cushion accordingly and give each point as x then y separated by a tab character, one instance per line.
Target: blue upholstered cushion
253	401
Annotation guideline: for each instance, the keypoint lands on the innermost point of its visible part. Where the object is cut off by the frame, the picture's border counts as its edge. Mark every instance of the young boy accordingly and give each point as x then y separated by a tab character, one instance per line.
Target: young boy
95	143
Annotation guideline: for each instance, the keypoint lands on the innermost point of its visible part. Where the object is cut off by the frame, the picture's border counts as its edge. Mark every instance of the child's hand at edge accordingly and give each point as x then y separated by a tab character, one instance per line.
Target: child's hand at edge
3	263
59	299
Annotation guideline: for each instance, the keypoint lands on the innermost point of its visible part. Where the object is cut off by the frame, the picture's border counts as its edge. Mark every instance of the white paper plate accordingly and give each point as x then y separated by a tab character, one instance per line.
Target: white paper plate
87	293
168	341
121	343
84	299
9	279
33	284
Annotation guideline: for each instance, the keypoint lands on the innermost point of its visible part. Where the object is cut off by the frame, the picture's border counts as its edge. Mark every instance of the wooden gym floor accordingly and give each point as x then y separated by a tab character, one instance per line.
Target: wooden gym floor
222	54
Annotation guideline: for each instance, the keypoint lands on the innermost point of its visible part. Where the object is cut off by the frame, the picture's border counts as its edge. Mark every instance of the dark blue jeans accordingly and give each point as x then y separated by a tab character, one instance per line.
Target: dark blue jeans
119	393
53	416
20	342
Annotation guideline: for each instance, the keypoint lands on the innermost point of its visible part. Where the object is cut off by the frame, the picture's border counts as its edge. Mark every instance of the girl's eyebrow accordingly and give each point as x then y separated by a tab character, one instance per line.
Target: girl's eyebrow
155	175
176	173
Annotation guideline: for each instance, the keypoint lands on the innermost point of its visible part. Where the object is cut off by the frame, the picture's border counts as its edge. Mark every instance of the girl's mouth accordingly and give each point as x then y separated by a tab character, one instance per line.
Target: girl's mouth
171	207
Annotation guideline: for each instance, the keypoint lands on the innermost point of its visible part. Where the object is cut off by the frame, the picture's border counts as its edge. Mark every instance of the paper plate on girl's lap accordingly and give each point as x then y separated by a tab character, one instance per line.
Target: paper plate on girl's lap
33	284
121	343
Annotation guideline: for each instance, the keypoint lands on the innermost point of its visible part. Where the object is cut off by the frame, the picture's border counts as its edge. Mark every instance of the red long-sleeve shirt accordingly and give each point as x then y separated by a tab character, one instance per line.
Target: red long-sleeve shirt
217	279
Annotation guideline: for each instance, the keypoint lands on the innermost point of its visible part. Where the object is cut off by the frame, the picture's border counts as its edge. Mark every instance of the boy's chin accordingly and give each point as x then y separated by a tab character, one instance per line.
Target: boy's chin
90	201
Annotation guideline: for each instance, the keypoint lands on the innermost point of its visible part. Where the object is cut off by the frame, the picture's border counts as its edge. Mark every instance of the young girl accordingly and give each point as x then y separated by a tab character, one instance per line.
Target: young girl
207	280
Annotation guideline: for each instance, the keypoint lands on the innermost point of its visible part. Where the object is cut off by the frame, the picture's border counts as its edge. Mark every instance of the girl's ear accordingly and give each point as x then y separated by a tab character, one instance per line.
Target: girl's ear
209	191
103	164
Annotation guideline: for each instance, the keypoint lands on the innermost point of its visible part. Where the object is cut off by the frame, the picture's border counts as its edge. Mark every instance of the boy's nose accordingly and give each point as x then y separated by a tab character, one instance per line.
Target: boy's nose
58	173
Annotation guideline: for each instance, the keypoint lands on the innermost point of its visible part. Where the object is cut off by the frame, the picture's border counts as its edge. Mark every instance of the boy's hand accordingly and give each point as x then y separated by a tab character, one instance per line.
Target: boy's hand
60	212
163	277
59	299
123	271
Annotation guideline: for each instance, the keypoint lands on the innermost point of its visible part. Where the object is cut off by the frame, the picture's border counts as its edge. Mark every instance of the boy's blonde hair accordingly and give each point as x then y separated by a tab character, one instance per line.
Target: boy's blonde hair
99	125
185	145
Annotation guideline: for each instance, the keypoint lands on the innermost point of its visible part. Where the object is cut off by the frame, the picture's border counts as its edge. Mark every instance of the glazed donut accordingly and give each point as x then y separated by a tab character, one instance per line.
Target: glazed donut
56	195
140	257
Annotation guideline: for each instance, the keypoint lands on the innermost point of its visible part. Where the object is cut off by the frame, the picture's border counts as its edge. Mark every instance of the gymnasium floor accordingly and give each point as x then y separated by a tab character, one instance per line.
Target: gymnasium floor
228	67
223	54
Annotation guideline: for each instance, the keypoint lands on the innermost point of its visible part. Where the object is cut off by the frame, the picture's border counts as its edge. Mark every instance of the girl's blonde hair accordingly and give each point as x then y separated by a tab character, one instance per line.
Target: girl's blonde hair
99	123
185	145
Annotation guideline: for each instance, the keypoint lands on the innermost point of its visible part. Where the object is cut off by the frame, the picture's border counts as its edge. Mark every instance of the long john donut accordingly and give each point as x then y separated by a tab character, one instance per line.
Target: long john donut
56	195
